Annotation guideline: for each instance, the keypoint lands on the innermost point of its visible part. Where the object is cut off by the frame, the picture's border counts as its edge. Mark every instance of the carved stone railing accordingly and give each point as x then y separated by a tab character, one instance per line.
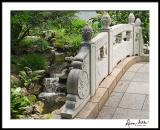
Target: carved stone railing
96	59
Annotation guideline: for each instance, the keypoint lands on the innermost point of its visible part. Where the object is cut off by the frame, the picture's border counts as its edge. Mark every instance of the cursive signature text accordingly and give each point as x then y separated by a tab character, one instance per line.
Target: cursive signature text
138	123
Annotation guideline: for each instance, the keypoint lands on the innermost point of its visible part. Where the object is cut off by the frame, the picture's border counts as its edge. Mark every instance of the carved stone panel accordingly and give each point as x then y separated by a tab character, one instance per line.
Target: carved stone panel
83	84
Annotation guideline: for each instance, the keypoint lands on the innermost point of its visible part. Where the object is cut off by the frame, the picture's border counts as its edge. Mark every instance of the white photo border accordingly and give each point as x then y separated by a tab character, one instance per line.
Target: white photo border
57	123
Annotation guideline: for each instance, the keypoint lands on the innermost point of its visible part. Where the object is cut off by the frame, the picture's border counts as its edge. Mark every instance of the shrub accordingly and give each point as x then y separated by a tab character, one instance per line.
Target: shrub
34	41
29	78
18	102
77	26
33	61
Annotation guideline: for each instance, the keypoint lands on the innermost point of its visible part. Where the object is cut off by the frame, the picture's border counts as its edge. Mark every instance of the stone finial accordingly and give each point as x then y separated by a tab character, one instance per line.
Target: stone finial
131	18
106	21
87	33
138	22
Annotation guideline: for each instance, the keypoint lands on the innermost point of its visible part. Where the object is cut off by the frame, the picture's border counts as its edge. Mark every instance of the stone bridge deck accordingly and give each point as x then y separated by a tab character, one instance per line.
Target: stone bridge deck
130	97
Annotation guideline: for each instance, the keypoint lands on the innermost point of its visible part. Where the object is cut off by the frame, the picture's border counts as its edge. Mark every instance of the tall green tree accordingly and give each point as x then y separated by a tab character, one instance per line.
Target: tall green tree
24	21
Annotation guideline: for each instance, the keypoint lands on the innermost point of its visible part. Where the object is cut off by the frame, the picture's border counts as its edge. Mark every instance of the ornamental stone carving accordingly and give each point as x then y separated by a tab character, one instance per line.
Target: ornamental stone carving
138	22
131	18
83	86
106	21
87	33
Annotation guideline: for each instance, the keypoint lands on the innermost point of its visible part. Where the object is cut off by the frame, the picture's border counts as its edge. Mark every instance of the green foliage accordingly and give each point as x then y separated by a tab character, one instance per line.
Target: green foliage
29	78
32	41
33	61
24	21
76	26
18	102
32	98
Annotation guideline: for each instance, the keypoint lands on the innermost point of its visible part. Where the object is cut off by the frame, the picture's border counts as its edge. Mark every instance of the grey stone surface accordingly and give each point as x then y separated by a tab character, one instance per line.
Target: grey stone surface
114	99
138	87
121	86
106	113
135	67
144	68
133	101
128	76
146	104
123	113
143	77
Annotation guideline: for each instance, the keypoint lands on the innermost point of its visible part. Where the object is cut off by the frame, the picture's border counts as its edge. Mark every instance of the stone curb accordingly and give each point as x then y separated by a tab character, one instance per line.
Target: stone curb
93	107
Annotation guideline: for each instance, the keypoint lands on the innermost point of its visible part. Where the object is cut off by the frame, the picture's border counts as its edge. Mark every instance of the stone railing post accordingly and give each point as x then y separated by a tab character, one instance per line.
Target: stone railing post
78	81
139	36
131	19
106	21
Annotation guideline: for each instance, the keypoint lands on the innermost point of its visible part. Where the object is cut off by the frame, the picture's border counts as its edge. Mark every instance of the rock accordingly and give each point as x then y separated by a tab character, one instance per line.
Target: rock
60	99
38	107
47	97
24	91
29	110
35	89
39	71
35	116
46	116
14	78
56	114
59	57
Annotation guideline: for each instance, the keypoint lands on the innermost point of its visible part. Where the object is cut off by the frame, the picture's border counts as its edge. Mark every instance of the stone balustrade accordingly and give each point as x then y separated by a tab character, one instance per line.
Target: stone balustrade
97	58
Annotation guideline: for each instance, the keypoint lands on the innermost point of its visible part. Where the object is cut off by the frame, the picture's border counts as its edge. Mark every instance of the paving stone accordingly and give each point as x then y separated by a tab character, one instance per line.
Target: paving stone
121	86
130	97
132	101
143	77
135	67
146	104
144	68
106	113
122	113
138	87
128	76
114	99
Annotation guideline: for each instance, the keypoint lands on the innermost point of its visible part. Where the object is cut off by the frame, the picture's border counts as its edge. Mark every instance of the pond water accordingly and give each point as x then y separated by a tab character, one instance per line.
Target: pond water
86	15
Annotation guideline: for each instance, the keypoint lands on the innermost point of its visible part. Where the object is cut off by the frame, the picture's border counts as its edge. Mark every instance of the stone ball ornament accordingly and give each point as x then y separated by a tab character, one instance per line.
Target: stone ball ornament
87	33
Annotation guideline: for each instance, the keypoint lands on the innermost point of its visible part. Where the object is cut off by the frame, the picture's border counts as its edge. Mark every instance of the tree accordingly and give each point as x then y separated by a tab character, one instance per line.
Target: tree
24	21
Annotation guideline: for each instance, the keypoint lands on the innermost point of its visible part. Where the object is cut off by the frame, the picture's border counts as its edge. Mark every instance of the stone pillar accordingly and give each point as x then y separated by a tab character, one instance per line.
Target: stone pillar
140	36
131	19
106	22
78	81
87	36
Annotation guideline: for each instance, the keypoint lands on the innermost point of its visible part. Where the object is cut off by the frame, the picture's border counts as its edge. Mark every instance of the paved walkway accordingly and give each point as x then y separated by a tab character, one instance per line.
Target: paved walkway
130	98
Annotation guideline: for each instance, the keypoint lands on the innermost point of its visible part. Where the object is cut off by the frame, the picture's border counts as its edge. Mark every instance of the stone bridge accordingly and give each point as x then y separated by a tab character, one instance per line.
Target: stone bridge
100	64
